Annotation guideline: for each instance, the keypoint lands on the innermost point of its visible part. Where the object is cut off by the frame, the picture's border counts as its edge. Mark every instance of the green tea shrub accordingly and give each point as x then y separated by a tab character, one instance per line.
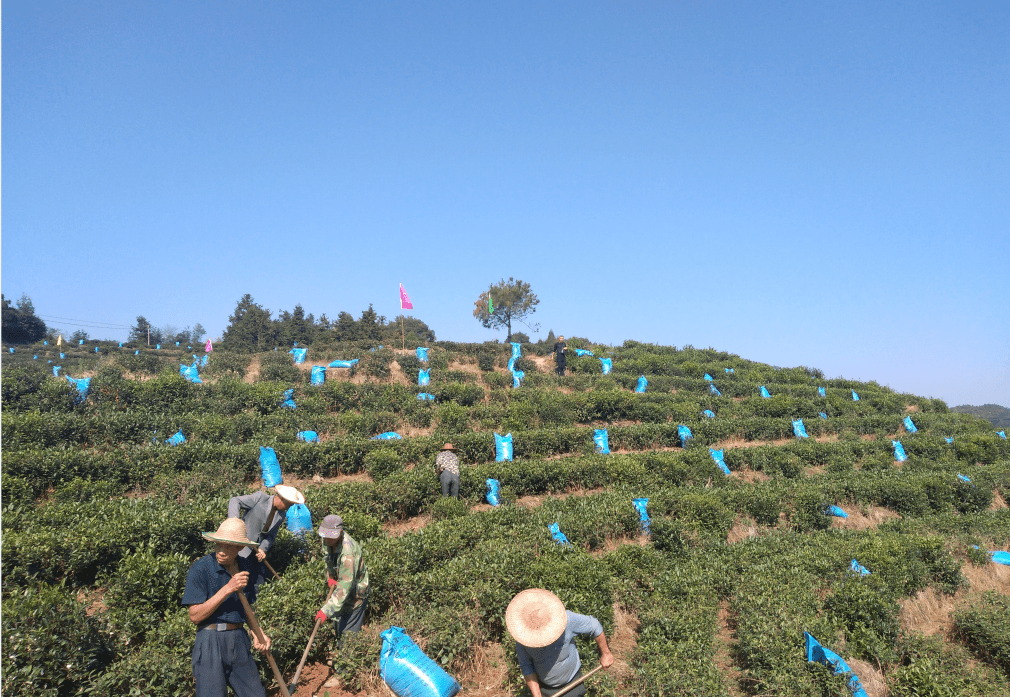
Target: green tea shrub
984	626
51	646
382	462
462	394
227	363
376	363
142	590
410	364
870	615
486	361
808	512
451	418
447	507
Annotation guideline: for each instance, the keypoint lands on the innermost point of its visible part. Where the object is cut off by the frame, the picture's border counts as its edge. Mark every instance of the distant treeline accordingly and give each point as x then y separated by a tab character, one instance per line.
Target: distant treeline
993	413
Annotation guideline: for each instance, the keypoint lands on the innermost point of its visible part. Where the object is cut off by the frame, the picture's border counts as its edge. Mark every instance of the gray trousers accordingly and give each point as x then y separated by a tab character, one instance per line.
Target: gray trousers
350	621
221	659
576	691
450	484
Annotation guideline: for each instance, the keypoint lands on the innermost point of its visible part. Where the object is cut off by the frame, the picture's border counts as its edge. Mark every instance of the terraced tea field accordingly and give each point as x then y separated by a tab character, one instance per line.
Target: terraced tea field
101	519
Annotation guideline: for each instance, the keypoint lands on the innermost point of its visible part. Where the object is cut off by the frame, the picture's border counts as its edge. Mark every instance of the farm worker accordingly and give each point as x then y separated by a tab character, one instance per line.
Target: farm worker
545	641
263	513
346	576
559	354
221	652
447	466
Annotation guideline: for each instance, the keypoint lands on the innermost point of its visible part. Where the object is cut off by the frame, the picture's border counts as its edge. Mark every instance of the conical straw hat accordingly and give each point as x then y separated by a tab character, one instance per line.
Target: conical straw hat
232	531
536	618
289	493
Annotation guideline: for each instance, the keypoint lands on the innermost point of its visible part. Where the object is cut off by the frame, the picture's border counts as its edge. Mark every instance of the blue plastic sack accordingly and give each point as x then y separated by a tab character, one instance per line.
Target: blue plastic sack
818	654
177	438
963	478
287	400
318	375
899	452
307	436
559	537
583	352
388	435
96	349
949	440
764	392
423	378
601	441
731	370
708	377
685	435
343	364
426	396
822	415
713	390
408	671
120	344
857	568
836	512
135	353
642	383
80	342
644	521
46	343
1001	557
855	397
511	364
502	447
35	357
708	413
176	343
720	461
909	426
799	429
608	364
190	372
203	361
422	354
63	356
82	385
299	355
270	469
820	392
195	357
517	350
157	346
517	378
1001	434
56	370
492	491
299	519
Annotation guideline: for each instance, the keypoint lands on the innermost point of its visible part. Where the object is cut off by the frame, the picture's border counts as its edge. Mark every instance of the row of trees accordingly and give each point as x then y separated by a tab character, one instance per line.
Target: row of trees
20	324
143	332
252	328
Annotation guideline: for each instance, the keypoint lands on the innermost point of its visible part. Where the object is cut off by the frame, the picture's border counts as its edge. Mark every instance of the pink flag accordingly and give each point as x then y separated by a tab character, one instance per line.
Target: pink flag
405	303
208	348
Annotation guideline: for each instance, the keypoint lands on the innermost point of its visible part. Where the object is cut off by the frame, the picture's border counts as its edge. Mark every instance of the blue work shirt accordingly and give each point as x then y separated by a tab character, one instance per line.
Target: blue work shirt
557	663
206	577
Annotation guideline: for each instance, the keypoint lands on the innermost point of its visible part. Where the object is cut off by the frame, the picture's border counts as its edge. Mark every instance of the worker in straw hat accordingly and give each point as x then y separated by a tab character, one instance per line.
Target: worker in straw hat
263	514
545	641
447	466
221	652
346	577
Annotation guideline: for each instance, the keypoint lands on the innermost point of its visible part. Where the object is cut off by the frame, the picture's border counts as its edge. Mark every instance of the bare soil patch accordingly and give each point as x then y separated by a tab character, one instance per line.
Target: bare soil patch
911	408
545	364
311	680
252	373
743	529
998	501
751	476
396	374
624	642
930	612
741	443
487	673
401	527
868	436
732	675
872	679
857	520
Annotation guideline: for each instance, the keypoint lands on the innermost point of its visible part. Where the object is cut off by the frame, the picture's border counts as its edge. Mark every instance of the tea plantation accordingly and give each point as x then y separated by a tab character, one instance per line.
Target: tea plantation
101	518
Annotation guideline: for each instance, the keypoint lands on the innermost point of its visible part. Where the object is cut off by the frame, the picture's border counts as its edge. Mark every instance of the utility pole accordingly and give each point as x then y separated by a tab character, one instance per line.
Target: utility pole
148	334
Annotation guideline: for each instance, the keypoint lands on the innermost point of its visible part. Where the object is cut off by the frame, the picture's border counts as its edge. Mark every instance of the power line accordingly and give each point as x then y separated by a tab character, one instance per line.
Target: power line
88	322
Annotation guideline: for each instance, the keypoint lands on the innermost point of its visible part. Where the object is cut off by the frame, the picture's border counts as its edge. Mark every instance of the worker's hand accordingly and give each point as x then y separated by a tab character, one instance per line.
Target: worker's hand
238	581
321	616
330	582
261	555
606	659
261	646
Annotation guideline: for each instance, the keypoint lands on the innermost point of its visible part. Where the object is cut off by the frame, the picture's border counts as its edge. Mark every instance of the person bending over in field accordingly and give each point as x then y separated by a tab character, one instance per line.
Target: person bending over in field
221	653
447	466
346	576
545	641
263	514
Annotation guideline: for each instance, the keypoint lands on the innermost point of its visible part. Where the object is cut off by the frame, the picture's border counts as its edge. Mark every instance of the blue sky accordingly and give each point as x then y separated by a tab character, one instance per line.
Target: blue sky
826	186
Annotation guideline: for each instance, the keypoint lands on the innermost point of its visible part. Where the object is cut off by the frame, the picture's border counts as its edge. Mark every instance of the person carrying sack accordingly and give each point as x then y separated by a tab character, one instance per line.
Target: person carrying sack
447	466
544	633
346	576
221	654
263	514
560	348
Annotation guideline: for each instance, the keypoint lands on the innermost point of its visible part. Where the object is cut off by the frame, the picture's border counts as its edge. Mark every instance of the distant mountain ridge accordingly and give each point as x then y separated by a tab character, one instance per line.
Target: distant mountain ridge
993	413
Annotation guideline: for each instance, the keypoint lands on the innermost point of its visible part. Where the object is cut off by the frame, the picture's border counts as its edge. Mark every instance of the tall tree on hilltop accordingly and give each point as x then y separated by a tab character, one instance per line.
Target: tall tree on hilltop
504	303
20	325
249	328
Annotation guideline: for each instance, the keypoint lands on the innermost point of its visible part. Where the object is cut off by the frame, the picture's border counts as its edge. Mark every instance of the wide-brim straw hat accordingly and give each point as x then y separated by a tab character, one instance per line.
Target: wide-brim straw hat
289	493
448	446
231	531
536	618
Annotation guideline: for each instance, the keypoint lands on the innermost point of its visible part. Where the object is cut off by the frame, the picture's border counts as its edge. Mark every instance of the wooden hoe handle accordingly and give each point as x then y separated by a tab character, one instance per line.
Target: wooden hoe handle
258	631
576	683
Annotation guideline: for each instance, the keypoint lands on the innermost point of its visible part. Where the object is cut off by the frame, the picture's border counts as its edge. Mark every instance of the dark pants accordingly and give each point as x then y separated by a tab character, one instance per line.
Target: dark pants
224	658
350	621
561	368
450	484
576	691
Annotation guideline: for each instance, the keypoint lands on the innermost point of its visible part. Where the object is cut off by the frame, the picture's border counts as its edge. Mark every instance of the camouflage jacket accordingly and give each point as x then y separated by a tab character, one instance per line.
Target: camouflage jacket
346	566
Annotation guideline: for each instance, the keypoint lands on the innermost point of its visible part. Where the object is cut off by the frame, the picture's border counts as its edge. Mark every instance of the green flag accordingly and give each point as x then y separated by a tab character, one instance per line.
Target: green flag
490	305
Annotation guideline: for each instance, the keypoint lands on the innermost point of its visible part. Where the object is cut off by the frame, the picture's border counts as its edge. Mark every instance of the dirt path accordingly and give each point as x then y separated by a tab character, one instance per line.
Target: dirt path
732	675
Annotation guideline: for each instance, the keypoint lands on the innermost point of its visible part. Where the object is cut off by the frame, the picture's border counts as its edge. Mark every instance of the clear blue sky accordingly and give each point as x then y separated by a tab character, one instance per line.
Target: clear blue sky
798	183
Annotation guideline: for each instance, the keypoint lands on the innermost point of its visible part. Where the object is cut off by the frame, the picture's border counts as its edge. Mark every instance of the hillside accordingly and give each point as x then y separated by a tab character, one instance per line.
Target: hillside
101	518
993	413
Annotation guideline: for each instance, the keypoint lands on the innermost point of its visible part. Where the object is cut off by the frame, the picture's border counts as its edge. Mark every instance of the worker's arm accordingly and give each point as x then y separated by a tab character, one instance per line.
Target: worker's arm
240	504
200	613
340	591
533	683
606	658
